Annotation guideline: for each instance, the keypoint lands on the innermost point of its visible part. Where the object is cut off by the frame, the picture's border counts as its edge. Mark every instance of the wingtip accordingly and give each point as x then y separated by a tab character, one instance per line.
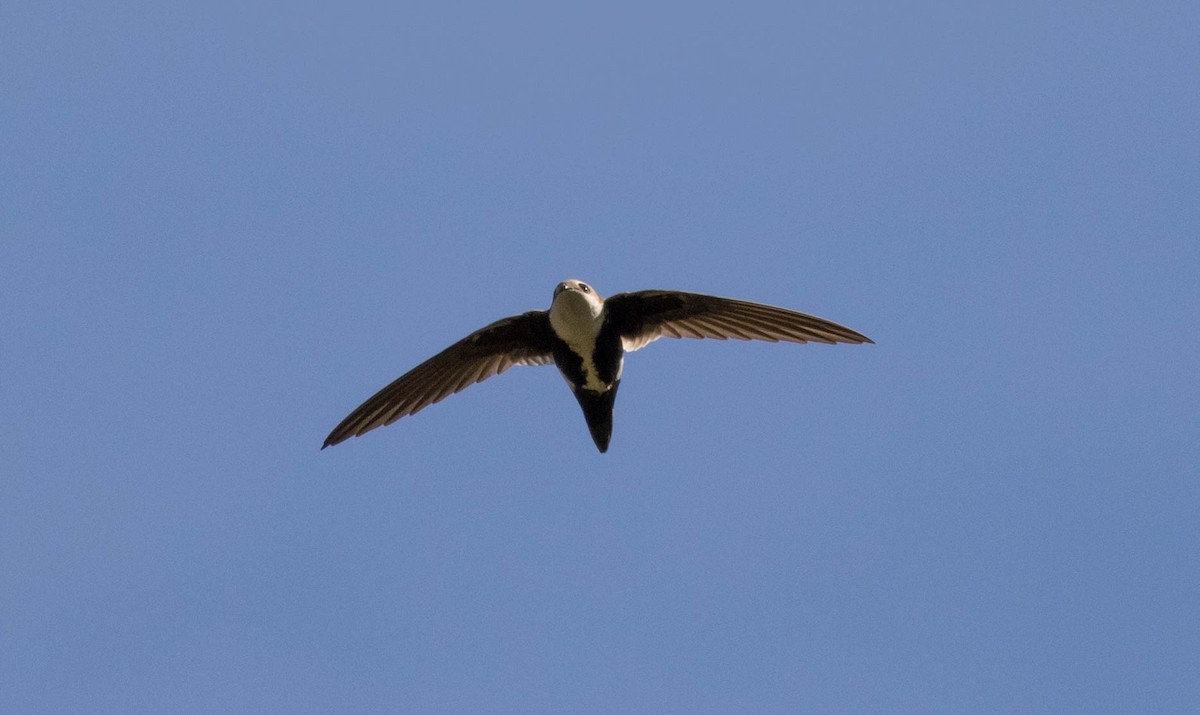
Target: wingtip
857	338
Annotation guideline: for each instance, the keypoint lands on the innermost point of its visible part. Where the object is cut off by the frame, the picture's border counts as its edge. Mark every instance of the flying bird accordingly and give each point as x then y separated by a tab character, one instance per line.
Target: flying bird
586	337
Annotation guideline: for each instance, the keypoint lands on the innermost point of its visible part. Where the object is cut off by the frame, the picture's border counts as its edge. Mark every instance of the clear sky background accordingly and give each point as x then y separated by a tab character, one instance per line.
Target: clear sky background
224	225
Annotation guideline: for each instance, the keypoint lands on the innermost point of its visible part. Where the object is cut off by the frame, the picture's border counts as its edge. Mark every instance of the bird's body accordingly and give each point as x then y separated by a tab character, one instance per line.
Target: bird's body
586	337
588	353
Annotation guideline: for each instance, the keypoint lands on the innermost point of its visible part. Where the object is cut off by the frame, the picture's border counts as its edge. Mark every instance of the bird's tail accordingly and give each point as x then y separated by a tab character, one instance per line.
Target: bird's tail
598	411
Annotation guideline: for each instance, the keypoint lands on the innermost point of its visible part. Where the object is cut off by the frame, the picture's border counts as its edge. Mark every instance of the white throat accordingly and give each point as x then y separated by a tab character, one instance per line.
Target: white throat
575	318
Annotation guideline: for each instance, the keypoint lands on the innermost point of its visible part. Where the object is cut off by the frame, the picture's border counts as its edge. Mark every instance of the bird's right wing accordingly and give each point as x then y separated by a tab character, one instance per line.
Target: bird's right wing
648	315
518	340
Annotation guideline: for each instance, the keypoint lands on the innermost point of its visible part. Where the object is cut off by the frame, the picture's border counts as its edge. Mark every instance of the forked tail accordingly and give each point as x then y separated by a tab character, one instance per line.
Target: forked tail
598	411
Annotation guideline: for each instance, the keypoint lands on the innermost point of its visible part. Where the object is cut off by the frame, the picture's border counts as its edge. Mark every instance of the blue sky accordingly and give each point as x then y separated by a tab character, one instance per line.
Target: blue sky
224	225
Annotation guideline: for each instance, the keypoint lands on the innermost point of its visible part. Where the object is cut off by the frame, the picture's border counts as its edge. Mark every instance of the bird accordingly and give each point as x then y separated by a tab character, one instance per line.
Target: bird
586	337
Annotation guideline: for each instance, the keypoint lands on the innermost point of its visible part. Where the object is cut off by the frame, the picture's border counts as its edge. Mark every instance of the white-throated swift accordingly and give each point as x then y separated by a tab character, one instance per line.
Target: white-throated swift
587	337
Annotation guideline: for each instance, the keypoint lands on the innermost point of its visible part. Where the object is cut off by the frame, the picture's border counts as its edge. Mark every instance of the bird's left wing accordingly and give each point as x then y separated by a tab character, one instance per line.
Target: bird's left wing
518	340
645	316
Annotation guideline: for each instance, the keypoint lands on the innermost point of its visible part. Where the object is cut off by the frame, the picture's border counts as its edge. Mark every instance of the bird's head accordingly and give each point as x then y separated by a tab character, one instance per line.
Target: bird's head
575	296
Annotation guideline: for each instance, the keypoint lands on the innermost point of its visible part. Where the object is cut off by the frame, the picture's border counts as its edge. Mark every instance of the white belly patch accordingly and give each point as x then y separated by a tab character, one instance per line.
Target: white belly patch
575	325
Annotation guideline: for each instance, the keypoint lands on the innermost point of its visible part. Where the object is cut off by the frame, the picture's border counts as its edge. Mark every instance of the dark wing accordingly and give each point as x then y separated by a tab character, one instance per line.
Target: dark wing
648	315
518	340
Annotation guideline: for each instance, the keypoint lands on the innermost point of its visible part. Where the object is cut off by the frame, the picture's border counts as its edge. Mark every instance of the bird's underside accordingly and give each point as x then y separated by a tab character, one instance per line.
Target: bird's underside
586	337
